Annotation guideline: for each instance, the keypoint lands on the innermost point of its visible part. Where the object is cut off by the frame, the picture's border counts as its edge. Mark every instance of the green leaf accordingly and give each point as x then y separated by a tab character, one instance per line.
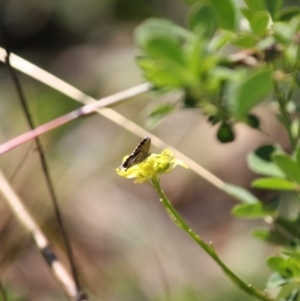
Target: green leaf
289	292
277	280
274	184
293	296
162	110
194	62
240	194
283	32
202	20
261	162
255	5
295	125
273	7
292	251
227	13
287	13
290	226
245	40
164	48
288	165
277	264
156	114
270	236
256	210
288	268
154	28
291	56
253	121
162	73
189	101
249	91
190	2
220	41
258	20
260	23
298	155
225	133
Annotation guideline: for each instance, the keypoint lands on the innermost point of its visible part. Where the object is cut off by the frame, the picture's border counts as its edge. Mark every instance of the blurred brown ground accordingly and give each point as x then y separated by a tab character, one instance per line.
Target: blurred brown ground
125	245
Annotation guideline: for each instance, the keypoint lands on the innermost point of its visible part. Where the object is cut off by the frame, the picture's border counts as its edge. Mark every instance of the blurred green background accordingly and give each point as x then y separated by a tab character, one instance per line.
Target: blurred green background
125	245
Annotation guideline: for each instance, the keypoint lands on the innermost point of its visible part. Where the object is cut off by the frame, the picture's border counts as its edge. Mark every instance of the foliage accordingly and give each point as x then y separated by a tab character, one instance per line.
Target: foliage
226	88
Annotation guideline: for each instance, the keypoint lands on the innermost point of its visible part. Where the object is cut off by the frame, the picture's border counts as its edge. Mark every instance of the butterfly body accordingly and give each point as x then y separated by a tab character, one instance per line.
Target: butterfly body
140	153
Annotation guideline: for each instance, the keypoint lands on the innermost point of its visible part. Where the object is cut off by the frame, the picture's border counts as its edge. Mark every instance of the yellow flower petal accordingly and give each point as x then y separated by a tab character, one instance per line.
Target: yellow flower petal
153	165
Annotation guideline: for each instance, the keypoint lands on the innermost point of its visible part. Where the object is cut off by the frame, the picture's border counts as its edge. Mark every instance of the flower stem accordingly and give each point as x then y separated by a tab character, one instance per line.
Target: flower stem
207	247
285	118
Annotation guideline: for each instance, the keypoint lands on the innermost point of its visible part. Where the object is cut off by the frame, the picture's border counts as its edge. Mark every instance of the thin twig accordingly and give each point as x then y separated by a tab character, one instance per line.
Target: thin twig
59	271
61	86
46	173
83	111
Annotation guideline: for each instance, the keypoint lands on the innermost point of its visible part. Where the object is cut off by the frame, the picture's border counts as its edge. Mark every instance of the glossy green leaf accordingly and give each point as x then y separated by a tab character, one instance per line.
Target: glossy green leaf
261	162
288	165
240	193
274	184
250	91
270	236
226	12
256	210
273	6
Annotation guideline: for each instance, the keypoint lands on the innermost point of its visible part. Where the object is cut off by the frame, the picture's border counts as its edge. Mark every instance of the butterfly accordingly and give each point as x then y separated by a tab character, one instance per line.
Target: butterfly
140	153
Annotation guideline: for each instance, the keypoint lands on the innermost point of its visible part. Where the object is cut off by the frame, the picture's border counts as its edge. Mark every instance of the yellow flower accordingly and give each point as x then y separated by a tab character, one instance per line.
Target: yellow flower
153	165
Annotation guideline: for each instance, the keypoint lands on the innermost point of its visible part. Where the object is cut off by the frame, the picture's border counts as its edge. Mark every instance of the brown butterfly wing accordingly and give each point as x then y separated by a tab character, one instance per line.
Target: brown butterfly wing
140	153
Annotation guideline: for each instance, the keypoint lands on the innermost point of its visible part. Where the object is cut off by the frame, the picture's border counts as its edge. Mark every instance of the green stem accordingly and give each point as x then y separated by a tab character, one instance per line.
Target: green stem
207	247
286	119
298	131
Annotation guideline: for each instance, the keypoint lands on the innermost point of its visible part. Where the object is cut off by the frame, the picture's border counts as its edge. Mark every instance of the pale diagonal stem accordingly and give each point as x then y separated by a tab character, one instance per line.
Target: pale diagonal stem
85	110
70	91
58	269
